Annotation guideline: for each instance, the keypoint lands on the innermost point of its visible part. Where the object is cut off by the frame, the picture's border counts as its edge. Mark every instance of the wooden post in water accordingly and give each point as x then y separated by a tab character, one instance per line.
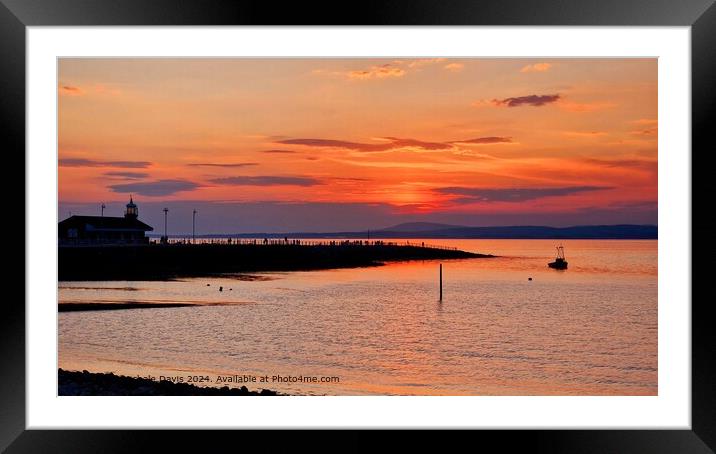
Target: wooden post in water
441	282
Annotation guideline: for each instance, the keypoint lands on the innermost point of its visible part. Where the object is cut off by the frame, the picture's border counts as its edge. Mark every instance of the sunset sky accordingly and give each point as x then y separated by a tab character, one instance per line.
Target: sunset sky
281	145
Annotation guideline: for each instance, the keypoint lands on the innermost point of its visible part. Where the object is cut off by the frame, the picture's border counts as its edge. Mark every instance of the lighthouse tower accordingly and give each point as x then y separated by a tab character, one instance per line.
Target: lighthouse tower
132	212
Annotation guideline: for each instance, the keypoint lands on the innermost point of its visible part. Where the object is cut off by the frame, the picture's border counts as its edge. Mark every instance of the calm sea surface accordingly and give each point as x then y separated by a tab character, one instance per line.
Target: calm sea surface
590	330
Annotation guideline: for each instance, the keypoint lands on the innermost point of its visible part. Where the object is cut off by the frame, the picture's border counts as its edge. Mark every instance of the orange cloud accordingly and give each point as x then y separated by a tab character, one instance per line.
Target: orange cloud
536	68
395	69
420	62
454	67
377	72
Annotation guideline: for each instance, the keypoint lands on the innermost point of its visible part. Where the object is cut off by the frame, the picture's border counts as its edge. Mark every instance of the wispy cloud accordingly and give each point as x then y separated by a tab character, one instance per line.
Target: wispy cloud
420	62
385	71
530	100
486	140
454	67
475	195
414	143
128	175
393	70
390	144
81	162
350	179
536	68
266	180
223	164
155	188
394	143
543	100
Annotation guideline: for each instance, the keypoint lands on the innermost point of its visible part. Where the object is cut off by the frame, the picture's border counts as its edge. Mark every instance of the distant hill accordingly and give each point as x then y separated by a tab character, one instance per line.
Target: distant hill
419	227
433	230
624	231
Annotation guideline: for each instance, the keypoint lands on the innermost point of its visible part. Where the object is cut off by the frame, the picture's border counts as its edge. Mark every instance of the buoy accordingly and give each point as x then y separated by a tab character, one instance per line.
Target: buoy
221	289
529	278
208	285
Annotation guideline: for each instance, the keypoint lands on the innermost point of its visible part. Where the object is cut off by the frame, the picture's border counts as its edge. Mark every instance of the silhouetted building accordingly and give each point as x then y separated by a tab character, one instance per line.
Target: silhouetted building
104	229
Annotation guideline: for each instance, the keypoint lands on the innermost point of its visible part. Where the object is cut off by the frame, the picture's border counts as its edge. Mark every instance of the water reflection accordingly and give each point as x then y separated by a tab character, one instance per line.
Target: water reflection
589	330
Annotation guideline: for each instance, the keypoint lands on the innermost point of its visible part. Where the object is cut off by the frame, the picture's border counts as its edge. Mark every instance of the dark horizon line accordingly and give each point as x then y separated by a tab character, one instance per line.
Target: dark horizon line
457	232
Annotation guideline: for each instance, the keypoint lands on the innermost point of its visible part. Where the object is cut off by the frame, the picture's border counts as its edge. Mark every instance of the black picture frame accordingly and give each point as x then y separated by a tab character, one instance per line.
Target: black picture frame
16	15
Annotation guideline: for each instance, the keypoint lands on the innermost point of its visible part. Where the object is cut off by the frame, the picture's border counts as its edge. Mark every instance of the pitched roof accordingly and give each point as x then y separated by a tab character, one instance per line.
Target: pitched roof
106	223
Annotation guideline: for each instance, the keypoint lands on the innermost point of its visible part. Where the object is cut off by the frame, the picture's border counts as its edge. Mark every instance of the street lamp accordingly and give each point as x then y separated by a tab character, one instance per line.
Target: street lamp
193	226
166	237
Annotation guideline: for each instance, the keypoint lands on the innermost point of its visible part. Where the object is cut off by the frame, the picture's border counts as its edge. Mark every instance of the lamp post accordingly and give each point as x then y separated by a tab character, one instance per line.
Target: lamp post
166	237
103	207
193	226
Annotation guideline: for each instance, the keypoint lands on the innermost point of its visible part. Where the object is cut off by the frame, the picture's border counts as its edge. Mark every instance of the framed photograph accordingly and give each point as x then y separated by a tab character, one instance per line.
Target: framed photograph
460	216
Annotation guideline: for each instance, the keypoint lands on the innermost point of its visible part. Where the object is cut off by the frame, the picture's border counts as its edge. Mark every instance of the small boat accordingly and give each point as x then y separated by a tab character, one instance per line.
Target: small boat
559	263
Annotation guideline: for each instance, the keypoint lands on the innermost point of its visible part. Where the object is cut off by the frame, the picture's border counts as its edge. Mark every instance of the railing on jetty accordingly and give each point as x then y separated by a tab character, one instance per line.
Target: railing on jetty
220	256
302	242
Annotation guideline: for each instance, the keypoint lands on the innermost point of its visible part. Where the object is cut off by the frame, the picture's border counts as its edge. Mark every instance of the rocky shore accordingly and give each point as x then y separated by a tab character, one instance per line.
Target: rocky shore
71	383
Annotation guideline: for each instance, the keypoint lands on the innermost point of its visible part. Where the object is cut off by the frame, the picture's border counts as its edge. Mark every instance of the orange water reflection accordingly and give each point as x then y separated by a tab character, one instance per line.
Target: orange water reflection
591	330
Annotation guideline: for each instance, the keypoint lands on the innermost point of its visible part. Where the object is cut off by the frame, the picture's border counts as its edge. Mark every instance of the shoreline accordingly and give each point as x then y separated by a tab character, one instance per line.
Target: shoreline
84	383
114	305
78	307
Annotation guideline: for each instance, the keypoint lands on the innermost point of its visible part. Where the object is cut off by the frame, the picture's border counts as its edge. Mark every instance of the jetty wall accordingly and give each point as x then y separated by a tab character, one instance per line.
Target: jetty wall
154	262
